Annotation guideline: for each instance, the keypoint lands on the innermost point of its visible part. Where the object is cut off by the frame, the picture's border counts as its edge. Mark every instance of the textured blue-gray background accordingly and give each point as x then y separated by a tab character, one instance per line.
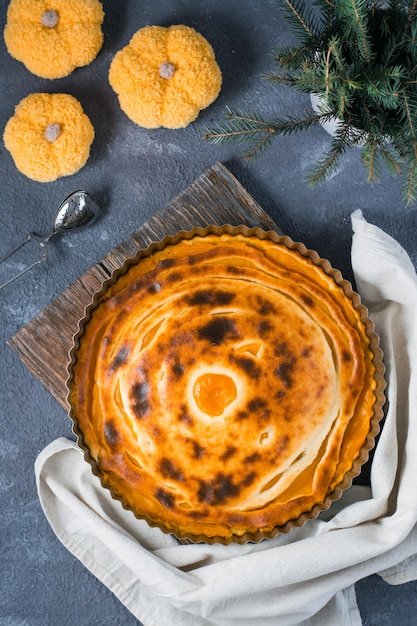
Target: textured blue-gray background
132	172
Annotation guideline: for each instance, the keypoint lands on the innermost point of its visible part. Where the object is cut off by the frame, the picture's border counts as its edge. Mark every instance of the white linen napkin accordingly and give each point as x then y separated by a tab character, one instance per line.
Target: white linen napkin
305	577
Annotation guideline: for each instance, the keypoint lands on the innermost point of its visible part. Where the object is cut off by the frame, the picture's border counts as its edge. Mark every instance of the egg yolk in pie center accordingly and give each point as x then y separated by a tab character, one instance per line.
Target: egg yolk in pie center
213	393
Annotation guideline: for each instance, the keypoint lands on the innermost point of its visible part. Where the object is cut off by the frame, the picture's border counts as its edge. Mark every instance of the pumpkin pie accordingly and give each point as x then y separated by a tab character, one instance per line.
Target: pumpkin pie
226	385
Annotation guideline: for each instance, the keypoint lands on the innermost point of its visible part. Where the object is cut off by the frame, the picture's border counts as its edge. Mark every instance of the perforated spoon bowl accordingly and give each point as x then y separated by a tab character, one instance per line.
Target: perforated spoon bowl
78	209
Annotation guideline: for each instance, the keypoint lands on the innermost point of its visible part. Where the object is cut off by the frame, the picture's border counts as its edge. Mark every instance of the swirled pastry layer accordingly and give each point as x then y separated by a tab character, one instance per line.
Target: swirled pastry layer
223	385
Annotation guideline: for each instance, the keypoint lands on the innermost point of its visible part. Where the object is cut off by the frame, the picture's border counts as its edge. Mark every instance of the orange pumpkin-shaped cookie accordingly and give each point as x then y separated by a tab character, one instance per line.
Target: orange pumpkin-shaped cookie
53	37
165	76
49	136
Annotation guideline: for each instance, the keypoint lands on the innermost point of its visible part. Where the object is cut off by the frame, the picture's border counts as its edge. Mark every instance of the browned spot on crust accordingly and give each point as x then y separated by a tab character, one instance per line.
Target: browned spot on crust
211	297
281	348
264	328
197	514
249	478
156	432
308	301
320	391
229	452
140	402
111	433
138	285
154	287
166	499
175	277
218	330
282	445
247	365
217	491
185	417
178	340
168	469
167	263
284	372
256	404
265	307
252	458
178	370
198	450
120	358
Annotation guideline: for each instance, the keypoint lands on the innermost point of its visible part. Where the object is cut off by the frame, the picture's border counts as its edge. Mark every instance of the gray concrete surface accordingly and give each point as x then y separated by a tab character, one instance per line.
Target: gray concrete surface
132	173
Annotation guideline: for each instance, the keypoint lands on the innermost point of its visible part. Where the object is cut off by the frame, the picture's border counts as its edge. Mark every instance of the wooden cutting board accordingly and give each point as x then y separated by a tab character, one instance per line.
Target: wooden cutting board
216	197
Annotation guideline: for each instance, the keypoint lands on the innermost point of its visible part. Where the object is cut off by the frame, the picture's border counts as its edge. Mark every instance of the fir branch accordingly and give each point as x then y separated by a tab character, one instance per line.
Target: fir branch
256	148
375	151
410	121
327	74
411	15
410	184
300	17
354	12
398	42
411	41
337	54
330	162
385	89
390	161
373	121
293	56
308	82
241	127
369	157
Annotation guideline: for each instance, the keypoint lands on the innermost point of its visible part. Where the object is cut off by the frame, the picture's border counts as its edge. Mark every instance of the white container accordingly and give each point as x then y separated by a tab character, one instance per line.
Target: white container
331	125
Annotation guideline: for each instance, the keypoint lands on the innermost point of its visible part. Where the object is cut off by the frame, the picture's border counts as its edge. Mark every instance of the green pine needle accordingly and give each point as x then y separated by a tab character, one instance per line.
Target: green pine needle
329	164
354	14
241	126
302	18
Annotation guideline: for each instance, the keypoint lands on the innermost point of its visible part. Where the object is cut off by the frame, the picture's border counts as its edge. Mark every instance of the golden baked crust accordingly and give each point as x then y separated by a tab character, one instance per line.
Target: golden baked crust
223	386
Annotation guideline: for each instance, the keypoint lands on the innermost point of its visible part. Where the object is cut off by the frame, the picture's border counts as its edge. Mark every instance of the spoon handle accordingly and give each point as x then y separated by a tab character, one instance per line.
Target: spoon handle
41	241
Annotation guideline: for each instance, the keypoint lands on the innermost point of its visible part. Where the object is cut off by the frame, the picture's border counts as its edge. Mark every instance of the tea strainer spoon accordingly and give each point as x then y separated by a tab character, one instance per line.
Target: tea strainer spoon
76	210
